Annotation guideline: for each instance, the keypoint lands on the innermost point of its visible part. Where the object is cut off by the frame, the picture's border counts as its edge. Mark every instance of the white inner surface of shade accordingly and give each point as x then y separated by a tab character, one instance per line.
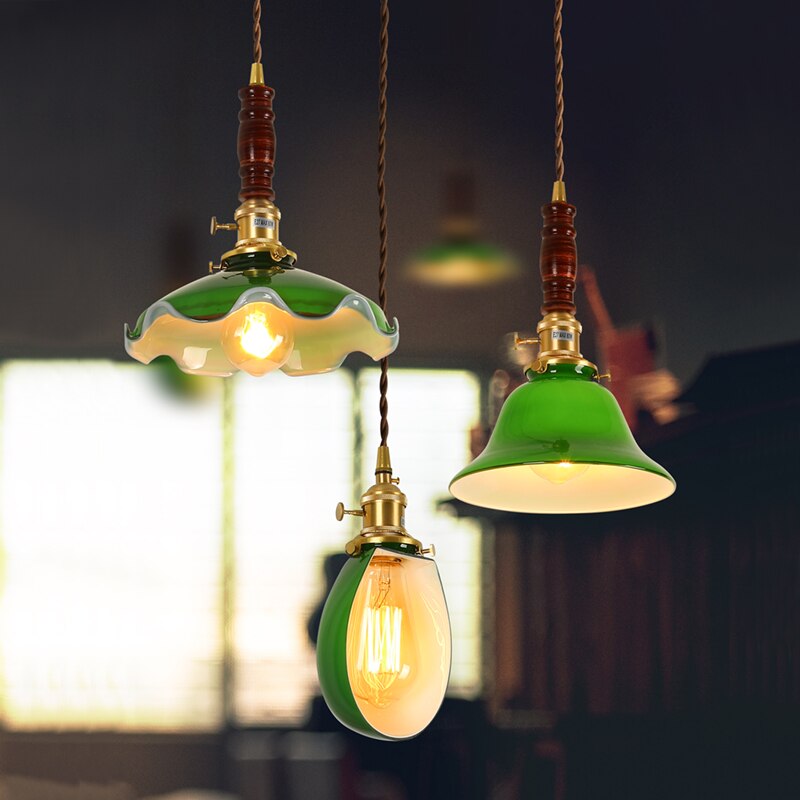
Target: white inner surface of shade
600	488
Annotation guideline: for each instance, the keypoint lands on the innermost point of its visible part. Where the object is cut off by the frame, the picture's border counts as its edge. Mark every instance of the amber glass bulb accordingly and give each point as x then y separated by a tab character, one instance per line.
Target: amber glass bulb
560	472
258	338
382	651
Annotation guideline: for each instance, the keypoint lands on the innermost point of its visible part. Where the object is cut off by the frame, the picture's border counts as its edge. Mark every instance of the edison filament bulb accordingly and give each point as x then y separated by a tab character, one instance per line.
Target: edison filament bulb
382	650
258	338
384	647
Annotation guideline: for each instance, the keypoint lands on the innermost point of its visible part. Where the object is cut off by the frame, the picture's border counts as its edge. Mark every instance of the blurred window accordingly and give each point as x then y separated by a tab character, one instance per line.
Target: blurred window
113	525
294	462
110	520
430	415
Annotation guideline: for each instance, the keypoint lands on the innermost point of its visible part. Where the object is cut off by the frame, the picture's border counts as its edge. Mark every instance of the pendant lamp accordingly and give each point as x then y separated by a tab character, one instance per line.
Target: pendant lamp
384	643
561	444
257	311
461	258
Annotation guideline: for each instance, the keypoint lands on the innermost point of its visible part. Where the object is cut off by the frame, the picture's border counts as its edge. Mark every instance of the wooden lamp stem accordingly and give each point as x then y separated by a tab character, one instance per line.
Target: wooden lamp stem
256	143
558	259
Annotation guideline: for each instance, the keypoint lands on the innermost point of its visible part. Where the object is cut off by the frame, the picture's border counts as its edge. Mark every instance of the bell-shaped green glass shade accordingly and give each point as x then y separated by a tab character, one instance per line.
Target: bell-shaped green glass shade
462	263
259	315
384	644
561	446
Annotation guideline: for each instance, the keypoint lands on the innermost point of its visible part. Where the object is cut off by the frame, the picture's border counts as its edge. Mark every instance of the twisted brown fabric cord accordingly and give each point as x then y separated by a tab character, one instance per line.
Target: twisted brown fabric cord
257	31
559	91
382	212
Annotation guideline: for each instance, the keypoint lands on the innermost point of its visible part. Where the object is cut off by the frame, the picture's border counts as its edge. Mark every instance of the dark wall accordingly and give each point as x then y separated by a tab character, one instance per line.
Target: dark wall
117	145
666	640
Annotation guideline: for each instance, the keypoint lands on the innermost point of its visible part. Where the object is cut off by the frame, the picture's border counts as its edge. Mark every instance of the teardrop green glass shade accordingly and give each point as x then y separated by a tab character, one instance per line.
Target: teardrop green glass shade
316	321
562	446
462	262
384	647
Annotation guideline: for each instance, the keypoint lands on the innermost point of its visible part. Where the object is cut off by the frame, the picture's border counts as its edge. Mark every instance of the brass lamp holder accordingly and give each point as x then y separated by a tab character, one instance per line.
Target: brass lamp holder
558	332
383	508
257	218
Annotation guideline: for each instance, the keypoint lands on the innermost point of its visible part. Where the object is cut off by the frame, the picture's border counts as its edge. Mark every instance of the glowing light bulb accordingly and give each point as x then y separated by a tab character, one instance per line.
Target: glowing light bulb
384	646
258	338
560	472
381	652
380	644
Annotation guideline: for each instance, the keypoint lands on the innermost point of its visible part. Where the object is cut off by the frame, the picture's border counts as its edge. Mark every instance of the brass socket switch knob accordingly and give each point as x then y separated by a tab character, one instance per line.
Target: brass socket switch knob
341	511
222	226
212	267
431	550
606	376
524	340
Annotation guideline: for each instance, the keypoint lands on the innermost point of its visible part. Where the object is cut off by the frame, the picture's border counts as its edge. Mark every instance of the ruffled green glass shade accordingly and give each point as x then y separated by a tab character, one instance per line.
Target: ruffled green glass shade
258	315
561	446
462	263
383	654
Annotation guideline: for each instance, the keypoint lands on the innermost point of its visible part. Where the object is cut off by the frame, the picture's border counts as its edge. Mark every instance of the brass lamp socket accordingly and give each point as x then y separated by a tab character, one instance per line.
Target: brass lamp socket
257	222
559	338
383	508
559	335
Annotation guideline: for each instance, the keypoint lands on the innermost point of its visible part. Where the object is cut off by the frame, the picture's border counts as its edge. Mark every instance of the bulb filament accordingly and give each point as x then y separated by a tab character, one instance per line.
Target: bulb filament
255	338
380	642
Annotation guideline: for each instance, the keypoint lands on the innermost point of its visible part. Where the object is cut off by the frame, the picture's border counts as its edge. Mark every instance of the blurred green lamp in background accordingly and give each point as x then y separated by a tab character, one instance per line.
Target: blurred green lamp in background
561	444
257	311
461	258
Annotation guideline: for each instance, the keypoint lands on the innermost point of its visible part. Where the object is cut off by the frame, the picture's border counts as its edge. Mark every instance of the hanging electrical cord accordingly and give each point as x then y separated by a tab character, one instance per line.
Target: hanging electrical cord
257	31
383	85
388	573
559	130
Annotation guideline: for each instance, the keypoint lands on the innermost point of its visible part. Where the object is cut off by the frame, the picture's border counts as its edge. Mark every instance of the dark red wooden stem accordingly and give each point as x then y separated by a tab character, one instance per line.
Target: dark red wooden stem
558	259
256	142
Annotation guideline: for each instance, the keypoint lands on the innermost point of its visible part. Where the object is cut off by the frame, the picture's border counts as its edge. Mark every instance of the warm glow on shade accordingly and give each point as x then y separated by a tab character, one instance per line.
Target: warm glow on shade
259	340
601	487
289	319
560	472
302	345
